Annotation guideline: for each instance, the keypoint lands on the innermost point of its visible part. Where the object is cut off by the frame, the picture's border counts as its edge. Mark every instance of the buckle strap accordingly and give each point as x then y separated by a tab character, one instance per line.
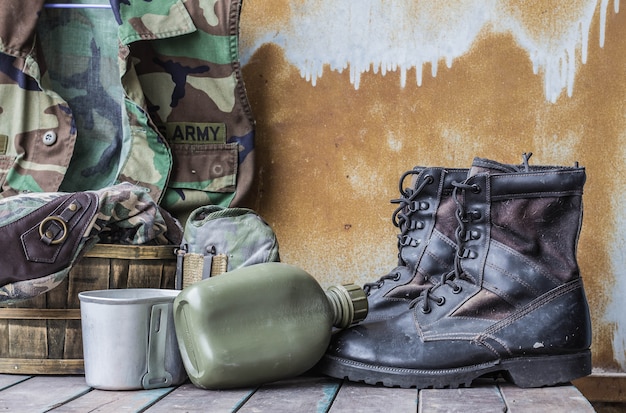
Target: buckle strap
59	226
53	229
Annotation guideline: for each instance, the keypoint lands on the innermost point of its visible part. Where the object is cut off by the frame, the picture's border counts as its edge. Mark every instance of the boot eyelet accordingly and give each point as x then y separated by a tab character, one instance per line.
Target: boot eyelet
425	310
429	179
441	301
396	277
457	289
476	189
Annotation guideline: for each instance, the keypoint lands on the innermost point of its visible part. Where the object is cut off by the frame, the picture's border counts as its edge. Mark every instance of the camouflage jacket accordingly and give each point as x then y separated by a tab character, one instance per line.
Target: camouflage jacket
181	125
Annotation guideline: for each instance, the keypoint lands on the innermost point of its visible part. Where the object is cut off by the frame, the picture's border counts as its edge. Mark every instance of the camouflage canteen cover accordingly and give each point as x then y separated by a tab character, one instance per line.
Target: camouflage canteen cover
48	232
149	92
218	239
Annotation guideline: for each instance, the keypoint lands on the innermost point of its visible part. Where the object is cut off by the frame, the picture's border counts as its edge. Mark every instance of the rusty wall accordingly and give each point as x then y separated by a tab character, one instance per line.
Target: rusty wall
350	94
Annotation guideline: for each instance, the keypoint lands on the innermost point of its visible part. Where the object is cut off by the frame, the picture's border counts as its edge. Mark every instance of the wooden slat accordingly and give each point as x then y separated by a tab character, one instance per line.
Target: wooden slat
307	394
39	314
42	393
8	380
57	329
558	399
363	398
603	387
29	338
145	275
118	277
91	275
41	366
132	252
193	399
102	401
303	394
484	399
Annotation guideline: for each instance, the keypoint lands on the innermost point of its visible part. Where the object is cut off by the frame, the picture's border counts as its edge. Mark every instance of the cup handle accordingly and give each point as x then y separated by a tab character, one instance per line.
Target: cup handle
157	376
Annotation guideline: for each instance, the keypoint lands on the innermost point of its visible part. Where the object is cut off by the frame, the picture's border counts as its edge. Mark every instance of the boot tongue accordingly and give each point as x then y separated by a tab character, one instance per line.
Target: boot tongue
482	165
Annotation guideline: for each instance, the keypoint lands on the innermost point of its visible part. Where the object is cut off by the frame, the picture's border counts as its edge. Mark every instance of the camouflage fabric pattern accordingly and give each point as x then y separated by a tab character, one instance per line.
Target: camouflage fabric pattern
60	101
37	131
83	69
128	215
166	110
239	233
125	214
180	71
24	290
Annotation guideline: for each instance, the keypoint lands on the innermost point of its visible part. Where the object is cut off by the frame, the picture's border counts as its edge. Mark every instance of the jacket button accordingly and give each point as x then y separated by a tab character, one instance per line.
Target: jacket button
49	138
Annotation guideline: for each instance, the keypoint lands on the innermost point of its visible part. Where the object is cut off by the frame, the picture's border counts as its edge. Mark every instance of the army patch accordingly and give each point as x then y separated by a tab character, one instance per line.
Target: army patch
195	133
4	144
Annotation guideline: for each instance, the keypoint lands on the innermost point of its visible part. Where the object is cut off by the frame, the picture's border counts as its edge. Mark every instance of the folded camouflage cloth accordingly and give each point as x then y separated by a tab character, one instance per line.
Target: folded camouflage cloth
43	234
219	239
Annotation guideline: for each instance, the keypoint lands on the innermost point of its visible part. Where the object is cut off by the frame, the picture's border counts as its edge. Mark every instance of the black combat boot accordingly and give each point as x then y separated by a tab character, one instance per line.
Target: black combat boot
426	219
514	303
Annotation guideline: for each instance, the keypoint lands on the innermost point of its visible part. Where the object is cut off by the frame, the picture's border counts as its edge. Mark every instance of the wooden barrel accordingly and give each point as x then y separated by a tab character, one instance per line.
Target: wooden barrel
43	335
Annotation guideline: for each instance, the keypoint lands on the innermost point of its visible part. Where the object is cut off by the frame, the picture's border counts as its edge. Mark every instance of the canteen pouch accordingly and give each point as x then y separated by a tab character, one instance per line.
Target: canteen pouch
219	239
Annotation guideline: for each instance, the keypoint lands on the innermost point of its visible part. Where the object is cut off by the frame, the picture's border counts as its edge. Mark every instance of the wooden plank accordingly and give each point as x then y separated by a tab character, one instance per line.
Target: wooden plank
8	380
87	275
168	276
39	314
557	399
603	387
29	338
56	300
482	398
145	274
41	366
189	398
364	398
90	275
42	393
302	394
113	401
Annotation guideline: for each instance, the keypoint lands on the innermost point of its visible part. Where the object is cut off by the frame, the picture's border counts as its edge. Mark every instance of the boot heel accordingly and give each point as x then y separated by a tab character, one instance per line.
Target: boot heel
547	370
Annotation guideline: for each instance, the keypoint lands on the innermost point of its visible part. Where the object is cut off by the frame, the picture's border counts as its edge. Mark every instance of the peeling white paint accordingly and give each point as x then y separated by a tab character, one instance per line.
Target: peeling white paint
379	36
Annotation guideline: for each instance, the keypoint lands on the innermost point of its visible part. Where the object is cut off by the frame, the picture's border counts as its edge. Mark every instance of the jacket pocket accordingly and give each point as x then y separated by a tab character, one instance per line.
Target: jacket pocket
209	168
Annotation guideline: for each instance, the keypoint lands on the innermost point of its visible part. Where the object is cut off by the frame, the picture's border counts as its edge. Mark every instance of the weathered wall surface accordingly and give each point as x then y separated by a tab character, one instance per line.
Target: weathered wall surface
350	94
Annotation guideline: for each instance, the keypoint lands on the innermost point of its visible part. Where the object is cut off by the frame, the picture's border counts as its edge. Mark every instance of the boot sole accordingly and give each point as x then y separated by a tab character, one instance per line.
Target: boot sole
536	371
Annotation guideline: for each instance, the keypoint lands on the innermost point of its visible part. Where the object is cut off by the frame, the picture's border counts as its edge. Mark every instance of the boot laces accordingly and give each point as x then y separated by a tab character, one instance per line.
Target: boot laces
402	219
457	273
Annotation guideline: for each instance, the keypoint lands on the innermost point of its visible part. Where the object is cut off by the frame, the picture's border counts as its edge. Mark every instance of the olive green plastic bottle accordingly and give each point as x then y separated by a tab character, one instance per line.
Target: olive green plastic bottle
259	324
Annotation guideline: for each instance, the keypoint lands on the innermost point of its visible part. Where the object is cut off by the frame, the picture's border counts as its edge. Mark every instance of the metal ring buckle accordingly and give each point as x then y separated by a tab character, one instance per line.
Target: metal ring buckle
63	228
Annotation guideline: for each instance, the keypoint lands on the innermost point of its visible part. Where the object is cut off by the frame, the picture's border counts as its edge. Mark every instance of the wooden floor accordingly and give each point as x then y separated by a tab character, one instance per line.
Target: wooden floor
31	394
